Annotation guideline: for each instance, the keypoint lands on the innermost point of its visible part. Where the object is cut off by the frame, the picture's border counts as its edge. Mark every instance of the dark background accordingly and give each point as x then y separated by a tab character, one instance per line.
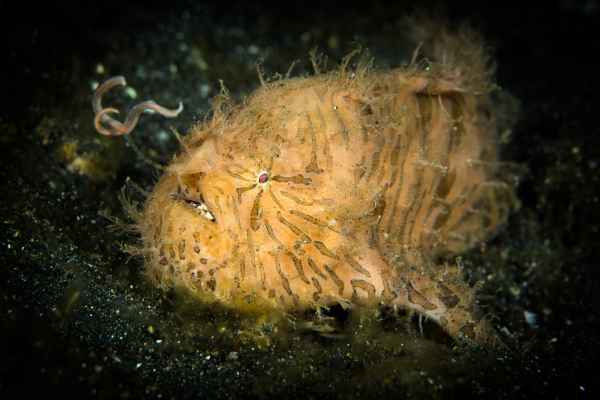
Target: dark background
74	316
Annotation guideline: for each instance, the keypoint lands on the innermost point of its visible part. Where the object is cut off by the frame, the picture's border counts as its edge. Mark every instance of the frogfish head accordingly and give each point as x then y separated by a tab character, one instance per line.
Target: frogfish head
266	206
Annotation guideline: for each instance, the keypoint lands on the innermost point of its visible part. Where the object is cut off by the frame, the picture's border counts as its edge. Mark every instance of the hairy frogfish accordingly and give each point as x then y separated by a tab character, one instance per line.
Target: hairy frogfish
356	186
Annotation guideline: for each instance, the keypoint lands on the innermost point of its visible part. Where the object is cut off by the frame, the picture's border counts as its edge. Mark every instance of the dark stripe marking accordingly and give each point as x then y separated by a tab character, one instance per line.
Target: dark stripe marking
336	279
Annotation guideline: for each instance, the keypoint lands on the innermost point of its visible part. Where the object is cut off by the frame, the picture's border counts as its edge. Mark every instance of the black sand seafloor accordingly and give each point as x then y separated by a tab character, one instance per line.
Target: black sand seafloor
77	319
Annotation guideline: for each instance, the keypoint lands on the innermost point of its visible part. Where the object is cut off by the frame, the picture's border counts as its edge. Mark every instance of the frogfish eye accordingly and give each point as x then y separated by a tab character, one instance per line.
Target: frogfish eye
263	177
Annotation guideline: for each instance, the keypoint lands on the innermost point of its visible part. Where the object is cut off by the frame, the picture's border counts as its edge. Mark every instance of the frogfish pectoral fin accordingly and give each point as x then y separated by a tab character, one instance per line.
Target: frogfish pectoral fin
449	301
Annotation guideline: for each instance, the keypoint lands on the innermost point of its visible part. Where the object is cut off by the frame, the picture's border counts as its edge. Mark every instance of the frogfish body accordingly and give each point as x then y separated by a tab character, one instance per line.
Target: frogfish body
353	187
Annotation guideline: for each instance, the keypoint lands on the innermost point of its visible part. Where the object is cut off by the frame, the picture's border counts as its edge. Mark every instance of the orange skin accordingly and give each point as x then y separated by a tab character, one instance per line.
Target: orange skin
344	188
